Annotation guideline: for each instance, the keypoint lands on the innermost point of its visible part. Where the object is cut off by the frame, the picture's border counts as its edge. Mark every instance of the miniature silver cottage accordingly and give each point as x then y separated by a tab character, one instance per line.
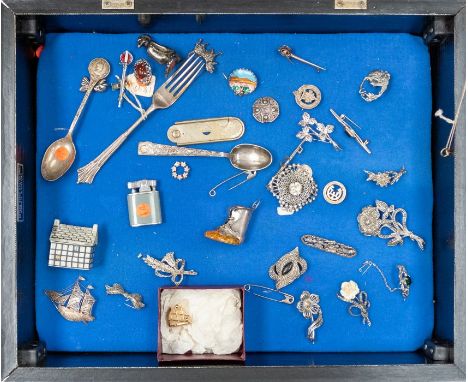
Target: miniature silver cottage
72	246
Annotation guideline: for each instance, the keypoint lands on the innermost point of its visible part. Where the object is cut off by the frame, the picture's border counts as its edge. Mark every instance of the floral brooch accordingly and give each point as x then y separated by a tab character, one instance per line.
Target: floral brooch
309	307
351	294
373	220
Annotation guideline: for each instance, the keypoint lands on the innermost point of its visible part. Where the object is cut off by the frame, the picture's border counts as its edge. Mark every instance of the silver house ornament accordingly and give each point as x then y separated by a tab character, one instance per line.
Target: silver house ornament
144	206
73	303
72	246
234	229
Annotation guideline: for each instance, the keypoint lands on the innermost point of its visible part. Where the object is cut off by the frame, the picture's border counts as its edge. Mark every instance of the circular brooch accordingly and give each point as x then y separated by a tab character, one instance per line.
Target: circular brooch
378	80
334	192
265	109
242	81
176	174
308	96
294	187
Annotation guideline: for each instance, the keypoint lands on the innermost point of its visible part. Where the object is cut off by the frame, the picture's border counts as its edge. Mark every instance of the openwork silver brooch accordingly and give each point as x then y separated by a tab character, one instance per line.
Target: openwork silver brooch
294	187
373	221
168	266
386	178
135	299
378	79
360	305
288	268
74	303
309	307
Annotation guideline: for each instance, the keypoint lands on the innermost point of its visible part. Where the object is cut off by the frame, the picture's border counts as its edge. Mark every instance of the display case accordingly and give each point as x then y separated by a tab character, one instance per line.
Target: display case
26	25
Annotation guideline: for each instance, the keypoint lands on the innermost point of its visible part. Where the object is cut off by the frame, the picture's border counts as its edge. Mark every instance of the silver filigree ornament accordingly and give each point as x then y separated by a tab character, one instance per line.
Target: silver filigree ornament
374	220
312	130
309	307
308	96
288	269
404	279
379	80
386	178
208	55
73	303
294	187
265	110
135	299
359	303
168	266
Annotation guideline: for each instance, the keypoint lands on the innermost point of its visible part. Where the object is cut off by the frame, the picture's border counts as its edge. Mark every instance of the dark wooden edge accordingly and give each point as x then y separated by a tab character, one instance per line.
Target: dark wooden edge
414	373
460	195
8	214
9	363
403	7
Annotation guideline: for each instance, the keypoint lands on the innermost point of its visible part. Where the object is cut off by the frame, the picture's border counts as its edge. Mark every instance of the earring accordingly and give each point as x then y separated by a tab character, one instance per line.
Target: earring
404	280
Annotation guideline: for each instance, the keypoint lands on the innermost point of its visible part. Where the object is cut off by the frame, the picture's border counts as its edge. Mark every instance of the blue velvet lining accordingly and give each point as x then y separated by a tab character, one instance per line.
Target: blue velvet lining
397	125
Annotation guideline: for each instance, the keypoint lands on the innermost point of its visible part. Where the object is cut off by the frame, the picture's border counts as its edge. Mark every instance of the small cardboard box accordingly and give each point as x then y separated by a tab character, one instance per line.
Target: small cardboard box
239	356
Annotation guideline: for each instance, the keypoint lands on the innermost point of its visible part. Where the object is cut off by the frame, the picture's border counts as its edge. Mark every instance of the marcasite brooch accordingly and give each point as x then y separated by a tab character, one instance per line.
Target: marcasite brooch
386	178
288	268
374	220
309	307
294	187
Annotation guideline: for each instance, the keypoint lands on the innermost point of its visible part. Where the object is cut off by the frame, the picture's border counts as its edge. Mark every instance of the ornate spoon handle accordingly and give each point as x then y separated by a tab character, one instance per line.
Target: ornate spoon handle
81	107
156	149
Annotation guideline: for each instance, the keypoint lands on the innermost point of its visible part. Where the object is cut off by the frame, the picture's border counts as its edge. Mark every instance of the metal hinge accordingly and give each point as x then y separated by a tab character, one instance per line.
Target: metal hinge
31	354
30	27
439	351
438	29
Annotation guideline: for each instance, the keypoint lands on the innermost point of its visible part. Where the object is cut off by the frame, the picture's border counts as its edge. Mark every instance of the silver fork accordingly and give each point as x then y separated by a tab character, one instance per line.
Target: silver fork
165	96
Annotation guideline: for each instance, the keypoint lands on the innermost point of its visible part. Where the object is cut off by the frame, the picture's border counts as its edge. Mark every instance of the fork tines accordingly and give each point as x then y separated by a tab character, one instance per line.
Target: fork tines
185	75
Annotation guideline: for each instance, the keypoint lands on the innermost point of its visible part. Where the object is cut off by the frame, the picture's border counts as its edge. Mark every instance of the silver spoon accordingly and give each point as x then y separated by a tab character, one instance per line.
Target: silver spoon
246	157
60	155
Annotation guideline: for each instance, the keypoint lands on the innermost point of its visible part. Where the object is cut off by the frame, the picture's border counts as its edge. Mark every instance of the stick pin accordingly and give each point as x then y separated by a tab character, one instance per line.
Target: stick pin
286	51
126	59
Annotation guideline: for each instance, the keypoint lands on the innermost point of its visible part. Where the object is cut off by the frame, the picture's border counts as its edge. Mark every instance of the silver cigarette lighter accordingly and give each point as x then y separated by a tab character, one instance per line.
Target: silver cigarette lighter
144	207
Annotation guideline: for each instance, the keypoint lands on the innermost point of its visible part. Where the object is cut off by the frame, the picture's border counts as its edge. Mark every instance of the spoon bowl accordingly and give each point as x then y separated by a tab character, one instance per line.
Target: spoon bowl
249	157
58	158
